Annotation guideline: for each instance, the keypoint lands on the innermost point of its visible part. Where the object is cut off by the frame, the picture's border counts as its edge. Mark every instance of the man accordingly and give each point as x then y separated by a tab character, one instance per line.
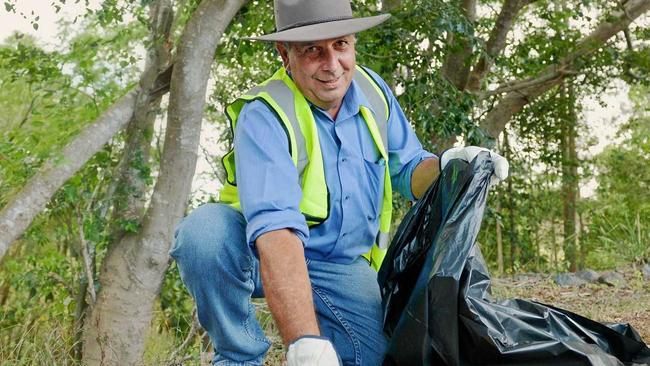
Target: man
318	149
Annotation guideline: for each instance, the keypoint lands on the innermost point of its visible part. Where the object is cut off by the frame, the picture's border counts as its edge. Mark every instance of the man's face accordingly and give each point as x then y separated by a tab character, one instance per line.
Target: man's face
322	70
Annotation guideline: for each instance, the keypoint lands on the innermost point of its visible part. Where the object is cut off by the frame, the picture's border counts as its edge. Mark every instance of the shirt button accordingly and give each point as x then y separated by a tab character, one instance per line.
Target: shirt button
344	234
347	198
344	160
370	218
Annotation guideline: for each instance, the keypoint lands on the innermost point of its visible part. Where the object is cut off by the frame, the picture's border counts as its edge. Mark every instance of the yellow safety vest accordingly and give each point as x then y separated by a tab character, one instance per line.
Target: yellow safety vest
292	109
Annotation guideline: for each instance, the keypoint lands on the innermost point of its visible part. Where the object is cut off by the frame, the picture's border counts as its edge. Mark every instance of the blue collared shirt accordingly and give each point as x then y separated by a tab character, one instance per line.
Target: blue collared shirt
269	187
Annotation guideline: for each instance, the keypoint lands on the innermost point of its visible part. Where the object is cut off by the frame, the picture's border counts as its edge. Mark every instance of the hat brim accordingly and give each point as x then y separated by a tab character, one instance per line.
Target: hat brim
320	31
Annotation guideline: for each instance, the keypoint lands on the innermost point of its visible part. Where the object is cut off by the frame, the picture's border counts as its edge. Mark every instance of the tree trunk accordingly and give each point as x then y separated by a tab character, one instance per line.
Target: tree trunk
554	244
511	211
538	252
495	44
569	177
81	306
499	241
128	191
638	227
19	212
582	244
458	62
133	271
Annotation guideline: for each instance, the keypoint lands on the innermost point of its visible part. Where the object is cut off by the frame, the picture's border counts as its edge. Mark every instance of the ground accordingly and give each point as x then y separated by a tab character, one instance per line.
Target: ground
628	304
600	302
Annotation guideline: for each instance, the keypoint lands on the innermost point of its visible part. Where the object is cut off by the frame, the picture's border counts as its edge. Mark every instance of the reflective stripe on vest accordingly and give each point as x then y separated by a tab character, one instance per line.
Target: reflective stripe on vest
285	100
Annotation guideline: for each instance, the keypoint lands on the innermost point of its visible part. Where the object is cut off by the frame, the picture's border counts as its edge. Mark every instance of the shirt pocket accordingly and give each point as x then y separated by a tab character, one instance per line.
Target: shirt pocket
375	171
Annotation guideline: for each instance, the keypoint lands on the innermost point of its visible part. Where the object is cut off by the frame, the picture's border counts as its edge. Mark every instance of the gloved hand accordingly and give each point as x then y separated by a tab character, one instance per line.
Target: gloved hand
468	153
312	351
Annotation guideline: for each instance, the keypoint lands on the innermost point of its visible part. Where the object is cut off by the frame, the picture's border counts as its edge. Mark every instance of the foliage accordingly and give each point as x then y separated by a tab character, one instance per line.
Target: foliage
620	215
48	96
46	99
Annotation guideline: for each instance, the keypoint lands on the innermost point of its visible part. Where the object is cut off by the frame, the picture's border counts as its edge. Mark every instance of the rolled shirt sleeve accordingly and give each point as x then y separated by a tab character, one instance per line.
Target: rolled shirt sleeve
267	180
405	151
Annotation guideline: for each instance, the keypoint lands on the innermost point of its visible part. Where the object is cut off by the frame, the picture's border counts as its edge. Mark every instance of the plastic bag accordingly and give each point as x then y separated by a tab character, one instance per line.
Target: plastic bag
436	294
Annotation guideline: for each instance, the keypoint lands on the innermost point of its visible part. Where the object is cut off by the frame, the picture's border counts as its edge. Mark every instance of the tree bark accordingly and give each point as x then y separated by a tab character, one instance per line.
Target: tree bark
132	273
495	44
512	230
128	190
19	212
553	244
458	63
499	241
538	252
514	101
638	226
581	244
570	177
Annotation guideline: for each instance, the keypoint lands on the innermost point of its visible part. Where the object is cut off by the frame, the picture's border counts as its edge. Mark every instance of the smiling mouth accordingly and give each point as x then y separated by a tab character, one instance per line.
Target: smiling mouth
330	82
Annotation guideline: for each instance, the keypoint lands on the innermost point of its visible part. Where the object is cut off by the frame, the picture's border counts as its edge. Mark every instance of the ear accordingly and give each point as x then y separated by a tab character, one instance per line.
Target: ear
284	53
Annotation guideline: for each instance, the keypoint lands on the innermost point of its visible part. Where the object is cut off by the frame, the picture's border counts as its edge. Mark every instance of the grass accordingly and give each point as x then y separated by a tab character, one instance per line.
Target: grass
41	342
628	304
599	302
36	343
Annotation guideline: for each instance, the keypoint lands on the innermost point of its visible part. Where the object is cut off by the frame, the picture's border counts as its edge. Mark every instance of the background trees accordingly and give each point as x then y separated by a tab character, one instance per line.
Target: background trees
100	139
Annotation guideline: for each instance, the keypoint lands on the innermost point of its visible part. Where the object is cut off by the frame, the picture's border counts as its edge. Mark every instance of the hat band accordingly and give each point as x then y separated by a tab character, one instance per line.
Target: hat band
302	24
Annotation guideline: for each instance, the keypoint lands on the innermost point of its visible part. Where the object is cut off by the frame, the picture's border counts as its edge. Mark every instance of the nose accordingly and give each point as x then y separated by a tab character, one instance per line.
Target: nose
330	60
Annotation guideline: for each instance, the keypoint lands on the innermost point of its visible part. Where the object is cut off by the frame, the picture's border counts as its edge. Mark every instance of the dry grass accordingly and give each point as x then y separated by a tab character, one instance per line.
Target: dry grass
629	304
40	342
600	302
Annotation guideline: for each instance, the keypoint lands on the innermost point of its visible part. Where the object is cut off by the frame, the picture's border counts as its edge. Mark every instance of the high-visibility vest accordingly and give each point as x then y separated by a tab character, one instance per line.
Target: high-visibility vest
291	108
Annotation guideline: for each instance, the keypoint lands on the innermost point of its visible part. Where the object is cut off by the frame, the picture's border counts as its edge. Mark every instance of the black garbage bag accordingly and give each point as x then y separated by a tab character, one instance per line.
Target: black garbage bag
436	294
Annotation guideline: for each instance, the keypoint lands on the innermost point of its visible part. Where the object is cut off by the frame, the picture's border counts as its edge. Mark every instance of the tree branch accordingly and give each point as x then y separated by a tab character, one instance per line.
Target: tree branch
130	176
88	264
513	102
530	82
29	110
457	65
496	42
628	39
19	212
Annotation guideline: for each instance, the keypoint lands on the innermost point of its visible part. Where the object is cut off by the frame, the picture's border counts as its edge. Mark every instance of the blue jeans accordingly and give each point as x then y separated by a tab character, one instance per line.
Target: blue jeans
222	274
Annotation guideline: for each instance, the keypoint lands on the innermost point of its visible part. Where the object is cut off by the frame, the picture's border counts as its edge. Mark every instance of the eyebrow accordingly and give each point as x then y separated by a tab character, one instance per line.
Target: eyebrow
307	44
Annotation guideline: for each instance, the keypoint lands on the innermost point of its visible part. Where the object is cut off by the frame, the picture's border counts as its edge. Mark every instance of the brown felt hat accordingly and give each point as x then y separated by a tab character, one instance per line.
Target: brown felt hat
314	20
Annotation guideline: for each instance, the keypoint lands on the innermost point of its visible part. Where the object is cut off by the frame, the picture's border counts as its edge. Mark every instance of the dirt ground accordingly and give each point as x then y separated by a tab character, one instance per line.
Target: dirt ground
600	302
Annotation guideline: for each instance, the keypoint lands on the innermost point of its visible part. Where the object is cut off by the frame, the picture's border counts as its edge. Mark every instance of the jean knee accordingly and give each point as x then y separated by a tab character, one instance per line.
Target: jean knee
208	233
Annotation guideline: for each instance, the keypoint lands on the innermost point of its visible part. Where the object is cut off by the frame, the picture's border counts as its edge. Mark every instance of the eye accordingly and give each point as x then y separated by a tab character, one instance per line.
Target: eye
342	44
311	50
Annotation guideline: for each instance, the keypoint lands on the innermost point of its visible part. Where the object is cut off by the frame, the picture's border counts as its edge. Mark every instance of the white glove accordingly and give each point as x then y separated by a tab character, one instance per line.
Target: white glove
468	154
312	351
